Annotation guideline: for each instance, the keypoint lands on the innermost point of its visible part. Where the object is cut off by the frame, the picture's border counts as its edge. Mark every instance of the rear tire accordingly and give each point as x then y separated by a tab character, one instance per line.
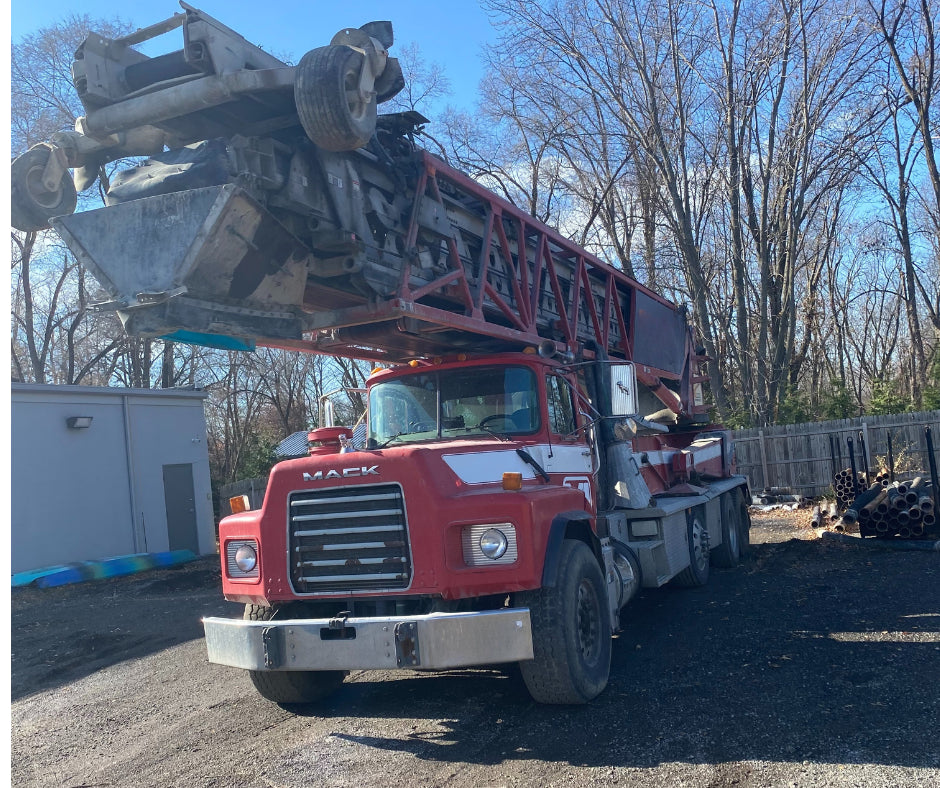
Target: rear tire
697	572
571	636
744	526
728	553
326	93
290	687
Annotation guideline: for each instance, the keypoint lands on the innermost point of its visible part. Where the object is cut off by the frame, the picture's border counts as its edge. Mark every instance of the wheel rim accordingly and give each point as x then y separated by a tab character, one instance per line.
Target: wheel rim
699	545
357	106
588	622
732	531
38	192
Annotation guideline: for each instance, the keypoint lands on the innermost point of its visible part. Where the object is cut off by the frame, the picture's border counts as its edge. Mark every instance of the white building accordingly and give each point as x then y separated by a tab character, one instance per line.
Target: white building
102	472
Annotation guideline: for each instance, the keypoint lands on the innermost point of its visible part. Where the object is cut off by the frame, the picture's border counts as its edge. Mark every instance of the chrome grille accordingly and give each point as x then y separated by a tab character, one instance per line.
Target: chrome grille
349	539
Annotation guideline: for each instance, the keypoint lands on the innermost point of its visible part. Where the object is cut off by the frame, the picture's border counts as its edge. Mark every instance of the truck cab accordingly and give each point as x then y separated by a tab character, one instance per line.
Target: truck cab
459	453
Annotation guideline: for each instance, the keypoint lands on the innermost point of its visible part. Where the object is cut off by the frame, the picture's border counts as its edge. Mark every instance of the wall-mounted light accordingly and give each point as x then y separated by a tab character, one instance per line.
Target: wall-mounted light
78	422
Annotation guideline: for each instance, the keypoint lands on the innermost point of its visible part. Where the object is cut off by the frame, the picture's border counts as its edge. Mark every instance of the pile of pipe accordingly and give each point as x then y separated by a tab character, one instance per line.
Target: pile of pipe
892	509
847	485
827	514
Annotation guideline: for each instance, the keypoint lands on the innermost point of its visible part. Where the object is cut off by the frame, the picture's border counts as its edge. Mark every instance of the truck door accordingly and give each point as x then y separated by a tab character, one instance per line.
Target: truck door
569	455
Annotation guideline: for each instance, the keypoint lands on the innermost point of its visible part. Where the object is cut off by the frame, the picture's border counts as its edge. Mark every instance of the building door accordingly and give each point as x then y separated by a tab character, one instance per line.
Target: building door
180	498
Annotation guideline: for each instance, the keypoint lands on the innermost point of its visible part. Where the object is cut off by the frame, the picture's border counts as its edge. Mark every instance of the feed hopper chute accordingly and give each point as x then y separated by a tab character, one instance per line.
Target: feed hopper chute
205	260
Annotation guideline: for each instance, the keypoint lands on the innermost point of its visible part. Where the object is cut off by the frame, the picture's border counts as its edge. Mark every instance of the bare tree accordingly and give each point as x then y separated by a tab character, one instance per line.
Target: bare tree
643	66
233	412
733	50
809	116
291	383
908	32
36	325
891	168
508	144
43	99
425	82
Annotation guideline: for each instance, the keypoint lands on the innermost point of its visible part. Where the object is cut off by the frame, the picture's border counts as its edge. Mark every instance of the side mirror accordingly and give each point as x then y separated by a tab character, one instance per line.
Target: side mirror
623	395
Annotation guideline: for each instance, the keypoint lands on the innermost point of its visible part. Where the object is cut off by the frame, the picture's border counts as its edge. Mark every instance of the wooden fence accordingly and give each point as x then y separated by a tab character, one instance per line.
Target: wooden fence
798	455
253	488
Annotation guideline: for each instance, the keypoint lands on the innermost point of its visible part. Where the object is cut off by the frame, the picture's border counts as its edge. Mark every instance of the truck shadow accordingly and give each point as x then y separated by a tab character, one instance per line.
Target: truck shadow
809	652
60	635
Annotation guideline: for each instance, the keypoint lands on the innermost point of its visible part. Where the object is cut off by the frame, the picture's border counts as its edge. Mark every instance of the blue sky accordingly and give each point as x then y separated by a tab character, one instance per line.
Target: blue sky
449	32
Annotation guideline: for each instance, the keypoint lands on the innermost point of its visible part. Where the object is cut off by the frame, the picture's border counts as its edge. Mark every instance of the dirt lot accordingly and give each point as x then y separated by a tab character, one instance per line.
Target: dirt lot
815	663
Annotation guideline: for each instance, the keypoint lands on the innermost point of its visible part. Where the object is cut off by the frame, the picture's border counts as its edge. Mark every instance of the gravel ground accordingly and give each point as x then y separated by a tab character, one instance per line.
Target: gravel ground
814	663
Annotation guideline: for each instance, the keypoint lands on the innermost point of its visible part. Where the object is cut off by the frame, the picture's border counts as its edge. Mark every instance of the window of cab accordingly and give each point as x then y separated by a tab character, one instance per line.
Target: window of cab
454	403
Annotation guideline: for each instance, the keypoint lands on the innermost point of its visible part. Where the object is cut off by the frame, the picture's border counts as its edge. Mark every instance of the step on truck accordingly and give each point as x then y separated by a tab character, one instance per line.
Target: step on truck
538	446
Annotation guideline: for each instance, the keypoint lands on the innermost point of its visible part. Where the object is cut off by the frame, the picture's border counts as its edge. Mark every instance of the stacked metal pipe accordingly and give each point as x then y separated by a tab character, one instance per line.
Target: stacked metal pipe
847	485
827	514
877	505
886	509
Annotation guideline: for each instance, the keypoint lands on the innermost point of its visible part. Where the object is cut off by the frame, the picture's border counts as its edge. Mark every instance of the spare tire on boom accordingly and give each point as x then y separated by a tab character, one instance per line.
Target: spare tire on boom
333	111
33	203
338	88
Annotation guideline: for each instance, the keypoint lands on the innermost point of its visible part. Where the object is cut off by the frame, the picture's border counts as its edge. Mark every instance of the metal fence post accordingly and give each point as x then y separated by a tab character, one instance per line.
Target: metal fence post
869	451
763	458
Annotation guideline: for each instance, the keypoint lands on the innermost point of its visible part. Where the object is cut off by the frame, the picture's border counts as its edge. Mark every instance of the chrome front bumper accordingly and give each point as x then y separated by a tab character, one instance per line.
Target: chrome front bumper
435	642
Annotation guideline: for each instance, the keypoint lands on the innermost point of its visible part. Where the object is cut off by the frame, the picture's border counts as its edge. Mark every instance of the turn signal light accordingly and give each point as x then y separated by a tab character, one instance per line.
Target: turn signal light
239	504
512	481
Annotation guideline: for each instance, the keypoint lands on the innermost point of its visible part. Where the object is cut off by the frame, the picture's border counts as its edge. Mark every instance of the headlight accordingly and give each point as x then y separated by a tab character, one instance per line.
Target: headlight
489	544
241	558
493	543
246	558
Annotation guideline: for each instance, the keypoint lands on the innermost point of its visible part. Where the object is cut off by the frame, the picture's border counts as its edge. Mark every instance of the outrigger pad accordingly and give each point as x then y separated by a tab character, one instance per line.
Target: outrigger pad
204	260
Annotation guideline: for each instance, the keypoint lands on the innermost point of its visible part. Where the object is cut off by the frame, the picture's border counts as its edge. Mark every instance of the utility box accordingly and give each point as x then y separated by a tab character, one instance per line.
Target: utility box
103	472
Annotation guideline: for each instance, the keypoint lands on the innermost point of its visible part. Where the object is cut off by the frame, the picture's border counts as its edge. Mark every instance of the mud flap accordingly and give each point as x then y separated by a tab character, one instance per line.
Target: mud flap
208	260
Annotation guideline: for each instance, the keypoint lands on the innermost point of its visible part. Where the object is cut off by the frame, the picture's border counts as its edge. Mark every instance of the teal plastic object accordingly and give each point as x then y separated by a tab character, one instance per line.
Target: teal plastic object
218	341
118	566
25	578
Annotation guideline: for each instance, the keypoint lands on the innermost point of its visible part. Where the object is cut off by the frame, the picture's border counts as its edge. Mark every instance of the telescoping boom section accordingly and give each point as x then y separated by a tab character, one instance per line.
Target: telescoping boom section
412	258
481	274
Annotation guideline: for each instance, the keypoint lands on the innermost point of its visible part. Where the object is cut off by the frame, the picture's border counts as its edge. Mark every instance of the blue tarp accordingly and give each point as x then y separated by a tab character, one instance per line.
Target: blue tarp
96	570
220	341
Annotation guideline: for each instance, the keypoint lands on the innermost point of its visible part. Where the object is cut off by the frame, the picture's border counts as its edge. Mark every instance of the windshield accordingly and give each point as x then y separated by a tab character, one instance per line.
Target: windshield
454	403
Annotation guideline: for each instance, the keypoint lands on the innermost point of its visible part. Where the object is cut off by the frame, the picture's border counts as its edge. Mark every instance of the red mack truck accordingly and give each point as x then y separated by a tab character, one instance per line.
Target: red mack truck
538	447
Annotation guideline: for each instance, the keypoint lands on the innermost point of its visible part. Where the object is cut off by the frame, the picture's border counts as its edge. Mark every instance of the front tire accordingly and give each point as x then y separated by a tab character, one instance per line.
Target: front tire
290	687
571	635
